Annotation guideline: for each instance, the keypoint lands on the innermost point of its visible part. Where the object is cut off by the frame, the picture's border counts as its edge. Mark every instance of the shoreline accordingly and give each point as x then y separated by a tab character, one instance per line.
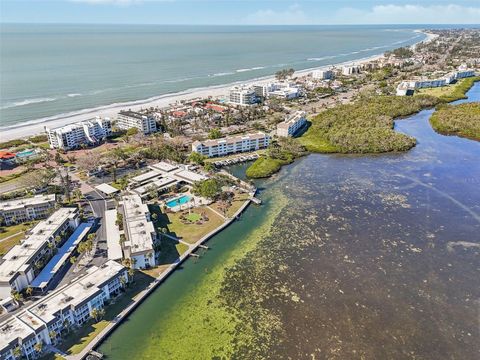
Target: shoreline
35	127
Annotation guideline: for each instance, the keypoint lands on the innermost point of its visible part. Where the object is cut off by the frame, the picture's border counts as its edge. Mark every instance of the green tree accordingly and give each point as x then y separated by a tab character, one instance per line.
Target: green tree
17	352
38	347
29	291
197	158
209	188
97	314
215	134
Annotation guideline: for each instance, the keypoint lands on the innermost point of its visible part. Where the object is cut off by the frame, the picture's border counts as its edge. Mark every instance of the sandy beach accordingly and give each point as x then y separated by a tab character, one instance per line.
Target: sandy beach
37	126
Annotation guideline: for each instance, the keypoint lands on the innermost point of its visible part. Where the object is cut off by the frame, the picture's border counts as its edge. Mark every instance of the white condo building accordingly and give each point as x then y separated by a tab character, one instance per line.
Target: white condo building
322	74
20	265
140	235
27	209
407	87
72	136
292	124
242	95
67	307
231	144
350	70
131	119
284	90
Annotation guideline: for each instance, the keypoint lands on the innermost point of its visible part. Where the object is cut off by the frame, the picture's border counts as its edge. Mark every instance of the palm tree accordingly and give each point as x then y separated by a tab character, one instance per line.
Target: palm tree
29	291
123	282
97	314
17	352
16	296
53	335
38	347
131	272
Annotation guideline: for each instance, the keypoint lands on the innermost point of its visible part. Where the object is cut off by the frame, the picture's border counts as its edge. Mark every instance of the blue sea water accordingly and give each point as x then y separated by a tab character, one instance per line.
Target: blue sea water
48	70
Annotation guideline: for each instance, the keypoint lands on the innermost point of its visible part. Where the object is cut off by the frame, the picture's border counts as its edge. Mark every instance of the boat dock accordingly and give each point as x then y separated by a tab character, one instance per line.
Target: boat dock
236	160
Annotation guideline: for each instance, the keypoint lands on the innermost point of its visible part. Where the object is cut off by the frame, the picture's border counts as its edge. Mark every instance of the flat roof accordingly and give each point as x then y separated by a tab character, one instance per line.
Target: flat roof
145	176
18	257
114	249
164	166
139	230
21	203
156	183
59	259
232	139
107	189
77	292
190	176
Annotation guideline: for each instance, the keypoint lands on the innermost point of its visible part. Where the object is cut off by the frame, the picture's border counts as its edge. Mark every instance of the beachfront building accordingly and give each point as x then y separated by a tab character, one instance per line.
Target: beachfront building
24	261
65	308
291	124
20	210
90	132
283	90
131	119
322	74
140	235
242	95
350	70
232	144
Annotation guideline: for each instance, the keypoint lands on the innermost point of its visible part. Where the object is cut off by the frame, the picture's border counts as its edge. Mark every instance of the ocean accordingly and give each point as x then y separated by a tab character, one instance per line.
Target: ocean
50	70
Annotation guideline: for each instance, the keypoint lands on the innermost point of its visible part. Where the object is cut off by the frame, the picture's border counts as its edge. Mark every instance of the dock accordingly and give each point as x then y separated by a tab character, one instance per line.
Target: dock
256	201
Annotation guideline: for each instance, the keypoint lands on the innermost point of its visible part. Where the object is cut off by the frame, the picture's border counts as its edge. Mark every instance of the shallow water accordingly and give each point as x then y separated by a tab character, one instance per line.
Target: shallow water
351	257
53	69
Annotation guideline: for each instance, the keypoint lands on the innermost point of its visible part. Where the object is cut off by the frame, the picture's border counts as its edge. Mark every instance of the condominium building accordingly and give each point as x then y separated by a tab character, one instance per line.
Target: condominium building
242	95
322	74
131	119
27	209
284	90
461	74
24	261
140	235
350	70
232	144
65	308
72	136
292	124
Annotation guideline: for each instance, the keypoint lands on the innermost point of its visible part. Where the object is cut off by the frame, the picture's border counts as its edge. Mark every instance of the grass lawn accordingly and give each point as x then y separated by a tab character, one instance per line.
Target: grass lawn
190	233
19	233
193	217
6	231
76	342
238	200
451	92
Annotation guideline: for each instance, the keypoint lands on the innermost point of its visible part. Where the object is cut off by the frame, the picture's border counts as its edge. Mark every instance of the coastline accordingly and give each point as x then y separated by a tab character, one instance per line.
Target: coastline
35	127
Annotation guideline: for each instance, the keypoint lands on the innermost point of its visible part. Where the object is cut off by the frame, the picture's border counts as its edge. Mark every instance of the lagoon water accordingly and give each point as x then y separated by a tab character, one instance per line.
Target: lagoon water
48	70
349	257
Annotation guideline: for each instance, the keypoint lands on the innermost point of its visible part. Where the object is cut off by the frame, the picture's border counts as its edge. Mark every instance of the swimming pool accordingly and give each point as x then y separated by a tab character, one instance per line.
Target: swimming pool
178	201
26	153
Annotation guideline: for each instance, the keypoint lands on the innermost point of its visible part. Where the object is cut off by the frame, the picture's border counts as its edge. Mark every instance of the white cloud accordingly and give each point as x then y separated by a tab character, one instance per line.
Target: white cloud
379	14
293	15
109	2
409	14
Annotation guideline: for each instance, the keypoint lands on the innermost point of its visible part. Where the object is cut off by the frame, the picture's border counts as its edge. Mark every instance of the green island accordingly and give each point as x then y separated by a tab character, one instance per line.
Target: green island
462	120
366	126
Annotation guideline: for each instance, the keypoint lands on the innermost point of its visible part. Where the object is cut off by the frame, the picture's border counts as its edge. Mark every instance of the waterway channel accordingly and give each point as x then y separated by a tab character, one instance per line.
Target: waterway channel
349	257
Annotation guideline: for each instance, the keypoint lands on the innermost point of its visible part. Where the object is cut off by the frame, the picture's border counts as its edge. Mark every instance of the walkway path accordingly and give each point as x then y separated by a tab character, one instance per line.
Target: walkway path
11	236
216	212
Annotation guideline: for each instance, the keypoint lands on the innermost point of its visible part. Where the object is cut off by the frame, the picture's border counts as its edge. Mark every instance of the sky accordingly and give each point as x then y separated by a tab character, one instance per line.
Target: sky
241	12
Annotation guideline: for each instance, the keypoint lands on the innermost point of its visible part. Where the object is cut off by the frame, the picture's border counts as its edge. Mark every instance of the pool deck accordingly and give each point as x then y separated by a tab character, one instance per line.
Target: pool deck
150	288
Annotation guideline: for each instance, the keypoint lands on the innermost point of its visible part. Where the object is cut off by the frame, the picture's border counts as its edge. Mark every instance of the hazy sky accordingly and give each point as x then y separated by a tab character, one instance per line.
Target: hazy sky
242	11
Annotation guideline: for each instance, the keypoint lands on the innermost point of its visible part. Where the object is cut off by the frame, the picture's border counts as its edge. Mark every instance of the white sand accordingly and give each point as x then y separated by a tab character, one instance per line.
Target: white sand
37	126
